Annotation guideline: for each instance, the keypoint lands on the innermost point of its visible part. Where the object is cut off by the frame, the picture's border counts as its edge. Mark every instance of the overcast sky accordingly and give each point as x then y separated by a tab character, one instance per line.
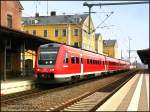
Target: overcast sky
126	21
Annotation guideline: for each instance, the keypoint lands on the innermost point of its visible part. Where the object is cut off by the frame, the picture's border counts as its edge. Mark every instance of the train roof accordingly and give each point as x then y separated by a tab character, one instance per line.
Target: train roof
59	44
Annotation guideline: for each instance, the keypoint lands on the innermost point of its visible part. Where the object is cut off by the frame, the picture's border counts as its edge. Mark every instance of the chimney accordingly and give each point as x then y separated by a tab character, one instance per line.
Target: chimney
53	13
36	14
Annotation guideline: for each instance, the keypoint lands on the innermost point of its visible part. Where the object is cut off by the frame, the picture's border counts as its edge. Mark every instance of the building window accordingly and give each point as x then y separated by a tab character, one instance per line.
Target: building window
33	21
76	44
34	32
8	61
76	31
64	32
27	31
9	21
56	33
45	33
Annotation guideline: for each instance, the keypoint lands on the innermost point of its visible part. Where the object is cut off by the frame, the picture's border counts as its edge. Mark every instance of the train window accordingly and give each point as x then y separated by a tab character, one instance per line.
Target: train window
109	63
106	62
88	61
93	61
72	60
81	60
77	60
66	58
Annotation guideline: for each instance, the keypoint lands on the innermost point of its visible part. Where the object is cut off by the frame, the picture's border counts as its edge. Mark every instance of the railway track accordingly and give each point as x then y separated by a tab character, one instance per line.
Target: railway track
6	99
91	101
58	106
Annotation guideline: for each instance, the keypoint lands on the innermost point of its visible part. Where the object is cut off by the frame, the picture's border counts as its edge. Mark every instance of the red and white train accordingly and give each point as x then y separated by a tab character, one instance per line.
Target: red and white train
56	63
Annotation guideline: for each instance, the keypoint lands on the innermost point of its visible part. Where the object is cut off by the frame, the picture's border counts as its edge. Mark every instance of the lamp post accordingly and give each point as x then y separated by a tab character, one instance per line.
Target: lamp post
129	47
121	54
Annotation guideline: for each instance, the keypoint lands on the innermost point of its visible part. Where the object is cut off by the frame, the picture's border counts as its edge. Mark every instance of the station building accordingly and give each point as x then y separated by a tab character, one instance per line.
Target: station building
10	17
67	29
11	12
14	43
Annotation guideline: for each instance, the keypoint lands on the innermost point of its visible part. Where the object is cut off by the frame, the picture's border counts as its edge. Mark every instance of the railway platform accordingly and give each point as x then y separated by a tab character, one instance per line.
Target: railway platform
17	85
133	96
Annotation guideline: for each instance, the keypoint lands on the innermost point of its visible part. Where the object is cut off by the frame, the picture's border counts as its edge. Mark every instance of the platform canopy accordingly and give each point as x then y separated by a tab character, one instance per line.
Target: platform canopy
14	43
144	55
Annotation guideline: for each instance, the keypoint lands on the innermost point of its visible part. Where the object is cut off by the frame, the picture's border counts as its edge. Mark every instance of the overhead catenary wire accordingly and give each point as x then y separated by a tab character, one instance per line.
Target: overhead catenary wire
102	22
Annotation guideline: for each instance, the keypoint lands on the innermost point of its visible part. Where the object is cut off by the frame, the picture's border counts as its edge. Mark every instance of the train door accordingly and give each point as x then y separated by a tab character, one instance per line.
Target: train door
106	67
66	63
81	63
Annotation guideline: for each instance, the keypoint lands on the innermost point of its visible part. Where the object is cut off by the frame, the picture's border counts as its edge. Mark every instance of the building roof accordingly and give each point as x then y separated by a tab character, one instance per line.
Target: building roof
109	43
21	7
97	35
55	19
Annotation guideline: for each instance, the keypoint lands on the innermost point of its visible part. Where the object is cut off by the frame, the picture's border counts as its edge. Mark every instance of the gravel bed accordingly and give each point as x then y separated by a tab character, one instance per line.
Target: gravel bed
56	98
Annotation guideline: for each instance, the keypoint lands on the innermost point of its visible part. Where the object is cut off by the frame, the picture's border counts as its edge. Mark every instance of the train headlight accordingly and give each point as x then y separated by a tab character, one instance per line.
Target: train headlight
38	69
51	69
46	62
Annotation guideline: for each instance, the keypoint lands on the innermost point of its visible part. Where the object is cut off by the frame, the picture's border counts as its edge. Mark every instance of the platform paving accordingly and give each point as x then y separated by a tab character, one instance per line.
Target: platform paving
17	85
133	96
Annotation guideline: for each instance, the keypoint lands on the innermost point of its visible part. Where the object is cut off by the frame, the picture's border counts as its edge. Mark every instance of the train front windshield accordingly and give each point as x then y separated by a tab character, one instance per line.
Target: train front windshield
47	55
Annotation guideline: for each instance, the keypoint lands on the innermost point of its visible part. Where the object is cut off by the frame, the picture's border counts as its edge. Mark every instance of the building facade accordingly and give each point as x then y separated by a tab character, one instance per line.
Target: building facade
11	14
110	48
66	29
10	18
99	43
